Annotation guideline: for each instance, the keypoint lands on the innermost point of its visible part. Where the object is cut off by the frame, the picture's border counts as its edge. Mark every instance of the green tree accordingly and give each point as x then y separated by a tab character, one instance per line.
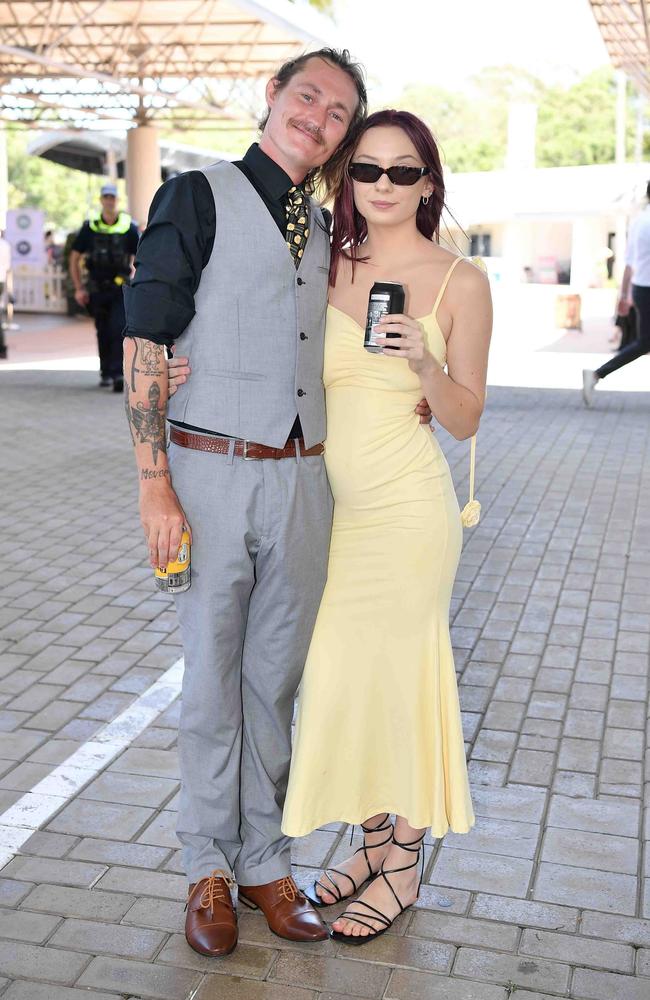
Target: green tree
577	124
63	194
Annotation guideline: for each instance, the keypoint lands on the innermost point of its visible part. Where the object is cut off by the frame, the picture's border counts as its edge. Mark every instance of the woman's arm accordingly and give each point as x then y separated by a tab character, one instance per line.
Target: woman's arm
456	397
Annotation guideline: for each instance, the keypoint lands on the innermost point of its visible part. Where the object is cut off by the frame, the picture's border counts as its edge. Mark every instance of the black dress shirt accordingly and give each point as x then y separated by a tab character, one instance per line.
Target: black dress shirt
177	244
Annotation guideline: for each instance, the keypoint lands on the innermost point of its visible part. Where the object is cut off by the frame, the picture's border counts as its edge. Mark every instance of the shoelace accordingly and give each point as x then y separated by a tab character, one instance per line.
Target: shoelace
288	889
213	890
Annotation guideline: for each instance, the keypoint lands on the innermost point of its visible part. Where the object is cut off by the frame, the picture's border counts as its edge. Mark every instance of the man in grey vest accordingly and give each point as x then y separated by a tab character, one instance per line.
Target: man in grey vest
233	267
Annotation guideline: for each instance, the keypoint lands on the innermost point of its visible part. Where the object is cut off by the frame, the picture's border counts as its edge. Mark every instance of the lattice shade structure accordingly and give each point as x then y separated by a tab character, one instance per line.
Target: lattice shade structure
116	60
623	25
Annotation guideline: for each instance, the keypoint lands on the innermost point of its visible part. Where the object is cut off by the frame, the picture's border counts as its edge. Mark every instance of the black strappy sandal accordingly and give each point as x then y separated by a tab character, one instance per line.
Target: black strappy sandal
371	912
312	894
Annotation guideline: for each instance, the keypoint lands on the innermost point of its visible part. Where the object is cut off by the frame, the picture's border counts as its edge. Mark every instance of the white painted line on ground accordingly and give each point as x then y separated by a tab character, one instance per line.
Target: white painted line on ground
45	799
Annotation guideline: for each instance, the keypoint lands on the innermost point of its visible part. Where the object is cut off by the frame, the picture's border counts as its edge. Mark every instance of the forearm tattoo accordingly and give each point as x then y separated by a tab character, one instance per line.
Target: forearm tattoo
147	420
148	359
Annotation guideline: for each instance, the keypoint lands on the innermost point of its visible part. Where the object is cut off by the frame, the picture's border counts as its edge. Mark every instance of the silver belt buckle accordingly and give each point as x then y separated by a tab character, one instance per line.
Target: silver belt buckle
246	457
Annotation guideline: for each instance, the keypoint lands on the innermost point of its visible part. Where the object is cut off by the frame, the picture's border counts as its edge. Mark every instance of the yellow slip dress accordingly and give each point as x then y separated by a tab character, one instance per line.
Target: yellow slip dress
378	727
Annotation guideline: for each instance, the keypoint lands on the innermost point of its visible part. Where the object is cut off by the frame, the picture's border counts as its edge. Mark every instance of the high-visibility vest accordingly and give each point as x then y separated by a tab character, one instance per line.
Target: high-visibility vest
109	258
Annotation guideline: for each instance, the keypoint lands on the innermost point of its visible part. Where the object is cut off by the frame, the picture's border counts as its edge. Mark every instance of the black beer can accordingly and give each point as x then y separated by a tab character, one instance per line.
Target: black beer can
386	299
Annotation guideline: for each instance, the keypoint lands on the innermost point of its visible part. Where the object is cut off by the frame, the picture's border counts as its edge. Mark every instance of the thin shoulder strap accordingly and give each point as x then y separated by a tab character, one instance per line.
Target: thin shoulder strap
445	283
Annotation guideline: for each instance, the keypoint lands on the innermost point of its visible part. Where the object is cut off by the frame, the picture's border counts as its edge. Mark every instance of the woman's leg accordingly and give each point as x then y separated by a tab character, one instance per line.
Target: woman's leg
402	871
337	883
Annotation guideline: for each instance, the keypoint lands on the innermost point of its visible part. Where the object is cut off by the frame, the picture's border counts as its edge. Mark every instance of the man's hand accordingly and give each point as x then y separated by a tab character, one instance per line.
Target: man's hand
423	411
162	517
81	297
623	307
177	371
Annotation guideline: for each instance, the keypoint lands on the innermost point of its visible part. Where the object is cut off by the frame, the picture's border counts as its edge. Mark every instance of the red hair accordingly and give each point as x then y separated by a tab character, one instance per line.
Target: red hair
350	229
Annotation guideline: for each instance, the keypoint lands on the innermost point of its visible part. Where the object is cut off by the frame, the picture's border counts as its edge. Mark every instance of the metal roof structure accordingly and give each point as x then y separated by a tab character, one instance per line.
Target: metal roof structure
89	152
106	62
625	31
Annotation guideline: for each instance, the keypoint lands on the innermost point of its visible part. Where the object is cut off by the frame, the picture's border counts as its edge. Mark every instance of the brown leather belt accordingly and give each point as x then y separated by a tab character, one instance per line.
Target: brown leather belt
248	450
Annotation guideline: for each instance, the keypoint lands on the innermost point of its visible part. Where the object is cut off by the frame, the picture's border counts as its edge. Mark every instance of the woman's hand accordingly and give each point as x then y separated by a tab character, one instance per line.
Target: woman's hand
177	371
412	346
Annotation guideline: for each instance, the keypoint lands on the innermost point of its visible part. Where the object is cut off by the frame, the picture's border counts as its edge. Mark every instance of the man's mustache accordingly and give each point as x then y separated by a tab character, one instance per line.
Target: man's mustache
312	130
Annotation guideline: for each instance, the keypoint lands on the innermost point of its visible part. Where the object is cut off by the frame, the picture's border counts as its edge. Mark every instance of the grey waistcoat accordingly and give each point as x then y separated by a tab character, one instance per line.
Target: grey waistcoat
255	343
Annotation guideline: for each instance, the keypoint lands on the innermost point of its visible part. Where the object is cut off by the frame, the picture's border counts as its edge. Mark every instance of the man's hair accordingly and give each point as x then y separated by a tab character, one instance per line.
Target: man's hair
647	191
337	57
320	177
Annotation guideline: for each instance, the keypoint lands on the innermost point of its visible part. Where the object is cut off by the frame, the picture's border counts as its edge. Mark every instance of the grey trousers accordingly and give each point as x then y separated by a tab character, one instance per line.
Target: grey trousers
261	533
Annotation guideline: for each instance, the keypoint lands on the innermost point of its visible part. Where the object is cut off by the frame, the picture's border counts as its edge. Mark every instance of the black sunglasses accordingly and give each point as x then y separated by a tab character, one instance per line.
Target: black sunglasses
369	173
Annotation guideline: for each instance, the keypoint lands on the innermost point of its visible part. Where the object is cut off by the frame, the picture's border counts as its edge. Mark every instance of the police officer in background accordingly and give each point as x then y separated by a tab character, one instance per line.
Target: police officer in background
108	242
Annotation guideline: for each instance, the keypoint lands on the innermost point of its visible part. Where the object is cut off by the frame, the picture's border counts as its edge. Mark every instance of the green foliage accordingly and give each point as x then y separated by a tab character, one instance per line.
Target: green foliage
575	125
63	194
578	125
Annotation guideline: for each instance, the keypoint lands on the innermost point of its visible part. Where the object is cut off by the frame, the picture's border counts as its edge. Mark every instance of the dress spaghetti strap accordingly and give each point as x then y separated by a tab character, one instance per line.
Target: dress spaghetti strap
444	284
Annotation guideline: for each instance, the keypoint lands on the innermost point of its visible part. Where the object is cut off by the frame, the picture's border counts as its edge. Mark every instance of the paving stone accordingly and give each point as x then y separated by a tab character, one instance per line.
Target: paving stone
144	883
482	872
160	914
590	850
130	789
116	852
108	939
609	925
408	952
139	978
73	873
234	988
91	904
525	912
586	888
405	985
354	979
159	763
11	892
464	931
532	767
604	816
500	968
48	845
18	745
23	926
45	991
50	964
517	840
520	804
606	986
577	950
101	819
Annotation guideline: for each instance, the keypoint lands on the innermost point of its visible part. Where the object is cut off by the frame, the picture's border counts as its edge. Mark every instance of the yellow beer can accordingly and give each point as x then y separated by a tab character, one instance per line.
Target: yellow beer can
175	577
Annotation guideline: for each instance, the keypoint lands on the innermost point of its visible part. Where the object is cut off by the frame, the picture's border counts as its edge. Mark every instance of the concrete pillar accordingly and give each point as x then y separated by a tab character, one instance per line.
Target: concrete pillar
513	251
142	170
588	249
621	218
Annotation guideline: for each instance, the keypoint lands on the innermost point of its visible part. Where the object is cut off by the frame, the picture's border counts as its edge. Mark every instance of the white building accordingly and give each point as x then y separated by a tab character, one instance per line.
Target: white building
559	222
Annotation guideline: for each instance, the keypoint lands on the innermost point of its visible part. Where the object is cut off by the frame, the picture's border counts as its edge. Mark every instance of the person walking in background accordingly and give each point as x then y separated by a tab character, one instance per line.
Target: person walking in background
5	273
635	291
108	242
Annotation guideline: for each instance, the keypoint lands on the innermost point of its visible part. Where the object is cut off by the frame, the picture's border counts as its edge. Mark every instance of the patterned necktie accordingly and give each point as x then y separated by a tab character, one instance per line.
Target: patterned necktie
297	220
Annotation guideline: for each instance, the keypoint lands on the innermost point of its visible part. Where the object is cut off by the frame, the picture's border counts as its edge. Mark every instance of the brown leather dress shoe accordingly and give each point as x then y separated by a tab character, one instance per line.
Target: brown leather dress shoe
211	921
288	912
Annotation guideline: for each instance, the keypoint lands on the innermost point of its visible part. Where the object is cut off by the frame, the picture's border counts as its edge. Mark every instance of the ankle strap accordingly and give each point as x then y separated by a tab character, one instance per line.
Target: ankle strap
384	825
413	845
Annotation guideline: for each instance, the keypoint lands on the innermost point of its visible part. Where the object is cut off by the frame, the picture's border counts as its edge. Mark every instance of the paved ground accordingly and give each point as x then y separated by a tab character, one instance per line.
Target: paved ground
548	896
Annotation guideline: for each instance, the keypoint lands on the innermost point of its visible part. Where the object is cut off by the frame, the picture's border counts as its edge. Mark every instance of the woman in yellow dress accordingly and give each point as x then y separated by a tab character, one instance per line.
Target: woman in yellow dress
378	730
